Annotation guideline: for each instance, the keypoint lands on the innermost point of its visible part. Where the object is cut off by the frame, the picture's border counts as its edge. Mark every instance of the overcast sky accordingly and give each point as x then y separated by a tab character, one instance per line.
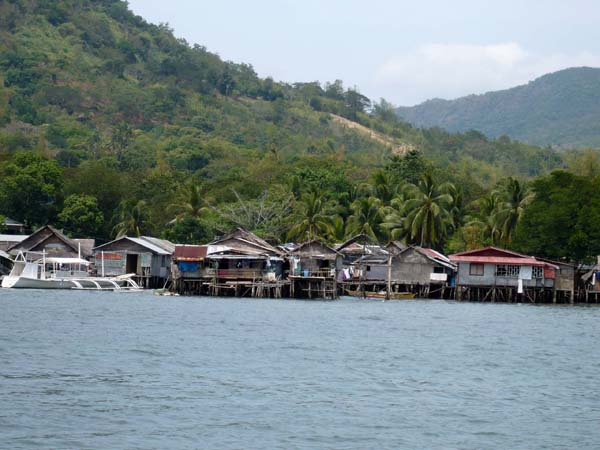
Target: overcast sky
404	51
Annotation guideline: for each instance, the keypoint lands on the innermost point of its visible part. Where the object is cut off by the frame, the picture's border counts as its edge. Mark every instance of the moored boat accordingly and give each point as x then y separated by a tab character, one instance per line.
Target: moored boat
61	273
382	294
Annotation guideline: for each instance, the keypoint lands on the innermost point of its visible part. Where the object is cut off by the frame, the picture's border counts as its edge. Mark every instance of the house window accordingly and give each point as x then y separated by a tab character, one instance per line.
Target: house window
476	269
537	272
508	270
439	270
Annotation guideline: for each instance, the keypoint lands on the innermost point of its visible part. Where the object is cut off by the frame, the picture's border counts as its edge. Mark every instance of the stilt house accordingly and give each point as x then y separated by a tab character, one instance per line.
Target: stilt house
422	266
147	257
362	251
190	268
53	243
591	283
241	255
417	270
565	281
482	272
314	270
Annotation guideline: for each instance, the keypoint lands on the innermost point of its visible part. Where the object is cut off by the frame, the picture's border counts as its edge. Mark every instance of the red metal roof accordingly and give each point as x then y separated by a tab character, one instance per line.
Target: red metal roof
190	252
499	260
490	252
434	254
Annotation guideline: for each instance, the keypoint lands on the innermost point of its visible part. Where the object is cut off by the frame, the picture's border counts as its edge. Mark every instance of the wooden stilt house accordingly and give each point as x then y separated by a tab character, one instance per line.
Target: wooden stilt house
494	274
147	257
190	269
243	264
314	268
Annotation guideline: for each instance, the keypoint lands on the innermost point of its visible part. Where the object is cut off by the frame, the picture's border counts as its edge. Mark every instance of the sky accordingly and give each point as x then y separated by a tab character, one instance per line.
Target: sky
403	51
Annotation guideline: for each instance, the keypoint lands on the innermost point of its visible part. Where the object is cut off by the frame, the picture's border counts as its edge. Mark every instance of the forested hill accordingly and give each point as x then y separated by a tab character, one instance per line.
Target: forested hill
559	109
112	125
83	77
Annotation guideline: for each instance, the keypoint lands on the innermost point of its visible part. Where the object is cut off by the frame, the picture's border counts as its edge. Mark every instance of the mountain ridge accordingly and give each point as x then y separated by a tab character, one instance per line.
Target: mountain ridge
559	109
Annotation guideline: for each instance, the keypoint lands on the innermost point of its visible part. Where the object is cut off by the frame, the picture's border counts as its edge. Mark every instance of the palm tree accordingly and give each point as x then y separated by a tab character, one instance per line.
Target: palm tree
367	217
486	220
337	230
132	218
514	197
190	203
312	218
456	205
428	212
384	187
395	219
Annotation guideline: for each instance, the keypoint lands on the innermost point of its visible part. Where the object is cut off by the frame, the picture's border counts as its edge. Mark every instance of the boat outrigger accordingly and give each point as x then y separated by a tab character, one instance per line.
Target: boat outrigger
61	273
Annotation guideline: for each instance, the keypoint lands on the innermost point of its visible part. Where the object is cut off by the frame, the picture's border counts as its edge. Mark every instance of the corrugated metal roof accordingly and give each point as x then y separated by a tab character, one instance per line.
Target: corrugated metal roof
190	252
155	245
499	260
435	254
13	237
248	238
315	249
490	252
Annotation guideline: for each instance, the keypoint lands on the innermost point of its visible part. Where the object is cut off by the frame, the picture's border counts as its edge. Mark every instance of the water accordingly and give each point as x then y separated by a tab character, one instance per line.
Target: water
104	370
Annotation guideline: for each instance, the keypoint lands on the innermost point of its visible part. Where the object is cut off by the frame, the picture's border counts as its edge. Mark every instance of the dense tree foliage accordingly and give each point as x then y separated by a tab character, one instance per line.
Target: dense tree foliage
110	125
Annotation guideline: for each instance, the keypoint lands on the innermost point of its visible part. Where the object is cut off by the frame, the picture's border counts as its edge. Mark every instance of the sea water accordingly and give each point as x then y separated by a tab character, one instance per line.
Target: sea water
101	370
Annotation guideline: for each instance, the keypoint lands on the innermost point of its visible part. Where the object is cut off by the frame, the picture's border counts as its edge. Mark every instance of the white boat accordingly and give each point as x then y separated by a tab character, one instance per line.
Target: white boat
61	273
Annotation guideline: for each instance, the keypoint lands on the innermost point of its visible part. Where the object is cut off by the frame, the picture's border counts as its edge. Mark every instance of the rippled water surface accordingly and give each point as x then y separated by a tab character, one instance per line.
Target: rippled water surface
100	370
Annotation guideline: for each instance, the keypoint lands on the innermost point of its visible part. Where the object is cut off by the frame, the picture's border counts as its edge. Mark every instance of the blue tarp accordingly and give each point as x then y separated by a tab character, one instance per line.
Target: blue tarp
188	266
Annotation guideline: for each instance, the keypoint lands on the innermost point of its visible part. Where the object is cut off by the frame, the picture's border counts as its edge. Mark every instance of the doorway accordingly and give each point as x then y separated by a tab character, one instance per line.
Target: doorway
131	264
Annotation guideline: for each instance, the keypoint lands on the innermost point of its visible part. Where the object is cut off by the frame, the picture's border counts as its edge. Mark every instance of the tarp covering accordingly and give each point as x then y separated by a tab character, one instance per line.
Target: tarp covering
188	266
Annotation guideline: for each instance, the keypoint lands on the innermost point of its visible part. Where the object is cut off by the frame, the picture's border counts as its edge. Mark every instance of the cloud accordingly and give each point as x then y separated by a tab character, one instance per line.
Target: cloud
453	70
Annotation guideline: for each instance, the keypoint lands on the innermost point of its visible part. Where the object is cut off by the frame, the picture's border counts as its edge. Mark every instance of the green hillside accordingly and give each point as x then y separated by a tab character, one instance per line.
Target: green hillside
560	109
112	125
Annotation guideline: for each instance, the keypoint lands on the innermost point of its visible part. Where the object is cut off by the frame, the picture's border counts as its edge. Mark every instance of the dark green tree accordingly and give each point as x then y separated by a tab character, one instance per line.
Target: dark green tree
30	188
81	216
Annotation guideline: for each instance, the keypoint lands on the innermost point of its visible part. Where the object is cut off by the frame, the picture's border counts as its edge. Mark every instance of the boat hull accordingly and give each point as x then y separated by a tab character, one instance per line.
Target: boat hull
62	283
392	296
31	283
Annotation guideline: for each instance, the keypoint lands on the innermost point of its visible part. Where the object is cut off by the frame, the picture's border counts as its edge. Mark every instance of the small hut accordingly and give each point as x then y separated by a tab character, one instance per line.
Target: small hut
53	243
423	271
314	270
243	255
10	226
591	283
357	247
147	257
565	281
242	264
190	269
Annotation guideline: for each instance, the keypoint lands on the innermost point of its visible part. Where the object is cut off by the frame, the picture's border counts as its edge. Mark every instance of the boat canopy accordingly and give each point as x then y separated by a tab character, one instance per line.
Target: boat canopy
80	261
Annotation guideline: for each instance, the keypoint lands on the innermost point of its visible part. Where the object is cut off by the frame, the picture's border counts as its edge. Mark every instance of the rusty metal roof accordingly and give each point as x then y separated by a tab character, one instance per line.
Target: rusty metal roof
190	252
